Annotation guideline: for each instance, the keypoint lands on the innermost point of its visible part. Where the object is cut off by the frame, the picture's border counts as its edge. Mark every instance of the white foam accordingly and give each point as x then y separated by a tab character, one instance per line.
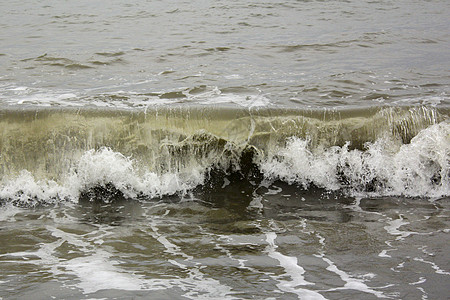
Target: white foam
233	76
423	100
113	96
229	240
420	281
248	101
97	272
47	99
420	168
393	228
197	283
99	168
294	271
8	212
297	164
384	252
256	203
351	283
26	190
107	166
435	267
215	96
19	88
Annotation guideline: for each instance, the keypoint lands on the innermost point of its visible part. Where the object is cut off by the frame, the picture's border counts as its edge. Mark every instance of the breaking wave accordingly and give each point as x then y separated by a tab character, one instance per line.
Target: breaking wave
52	155
420	168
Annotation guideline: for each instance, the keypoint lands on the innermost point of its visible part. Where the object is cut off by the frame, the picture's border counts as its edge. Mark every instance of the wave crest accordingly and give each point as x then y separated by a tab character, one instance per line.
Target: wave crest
420	168
51	154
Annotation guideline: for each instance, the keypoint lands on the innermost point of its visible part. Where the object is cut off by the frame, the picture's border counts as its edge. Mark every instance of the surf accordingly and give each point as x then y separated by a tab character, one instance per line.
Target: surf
53	154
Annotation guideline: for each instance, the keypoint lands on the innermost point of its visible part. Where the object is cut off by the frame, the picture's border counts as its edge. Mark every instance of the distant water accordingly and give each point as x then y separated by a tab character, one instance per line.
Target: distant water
224	150
293	53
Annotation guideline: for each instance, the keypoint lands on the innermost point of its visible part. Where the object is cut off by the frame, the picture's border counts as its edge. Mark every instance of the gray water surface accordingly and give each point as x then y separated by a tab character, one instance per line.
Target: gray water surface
292	53
275	242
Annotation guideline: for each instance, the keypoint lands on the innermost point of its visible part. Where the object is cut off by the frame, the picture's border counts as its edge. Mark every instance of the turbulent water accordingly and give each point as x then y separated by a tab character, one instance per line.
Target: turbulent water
232	150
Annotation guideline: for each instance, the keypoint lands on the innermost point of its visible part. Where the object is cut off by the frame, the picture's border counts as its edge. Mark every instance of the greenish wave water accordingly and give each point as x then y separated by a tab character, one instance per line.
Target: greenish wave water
166	151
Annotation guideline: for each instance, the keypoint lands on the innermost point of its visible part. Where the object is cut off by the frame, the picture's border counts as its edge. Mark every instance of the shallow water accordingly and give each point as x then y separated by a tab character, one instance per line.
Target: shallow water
233	242
232	150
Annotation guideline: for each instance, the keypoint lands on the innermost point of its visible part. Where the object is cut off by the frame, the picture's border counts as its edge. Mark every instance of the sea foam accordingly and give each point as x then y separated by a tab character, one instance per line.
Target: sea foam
99	168
384	167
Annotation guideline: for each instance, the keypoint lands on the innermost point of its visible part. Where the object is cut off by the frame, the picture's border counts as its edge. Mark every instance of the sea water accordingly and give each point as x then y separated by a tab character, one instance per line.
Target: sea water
224	150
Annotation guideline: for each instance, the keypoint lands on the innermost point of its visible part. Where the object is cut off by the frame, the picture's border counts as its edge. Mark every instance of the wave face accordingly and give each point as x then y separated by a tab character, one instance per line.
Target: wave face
50	155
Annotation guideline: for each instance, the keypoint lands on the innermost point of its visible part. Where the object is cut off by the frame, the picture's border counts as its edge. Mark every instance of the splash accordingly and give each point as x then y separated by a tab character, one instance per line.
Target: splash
103	169
420	168
53	155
